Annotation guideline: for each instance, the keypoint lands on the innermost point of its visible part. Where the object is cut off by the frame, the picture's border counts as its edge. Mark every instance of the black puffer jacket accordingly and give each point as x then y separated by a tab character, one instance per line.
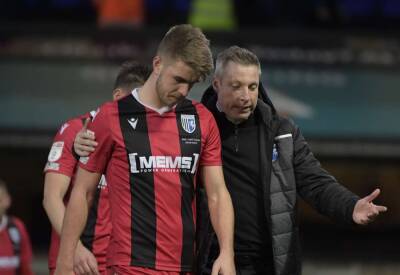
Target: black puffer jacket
295	172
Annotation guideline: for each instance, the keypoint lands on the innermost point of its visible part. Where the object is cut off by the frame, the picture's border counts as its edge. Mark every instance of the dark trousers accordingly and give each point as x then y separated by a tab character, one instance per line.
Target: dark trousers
255	264
248	265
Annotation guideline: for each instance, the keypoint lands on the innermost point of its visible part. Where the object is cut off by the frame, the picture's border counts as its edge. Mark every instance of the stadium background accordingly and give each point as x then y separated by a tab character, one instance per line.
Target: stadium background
331	65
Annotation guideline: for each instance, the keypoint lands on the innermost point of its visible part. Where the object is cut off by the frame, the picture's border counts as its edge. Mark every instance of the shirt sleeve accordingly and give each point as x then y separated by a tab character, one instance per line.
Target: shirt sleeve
61	158
211	154
26	249
97	161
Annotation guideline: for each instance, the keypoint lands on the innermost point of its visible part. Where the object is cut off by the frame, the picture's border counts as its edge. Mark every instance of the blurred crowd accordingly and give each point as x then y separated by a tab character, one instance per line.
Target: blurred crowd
222	14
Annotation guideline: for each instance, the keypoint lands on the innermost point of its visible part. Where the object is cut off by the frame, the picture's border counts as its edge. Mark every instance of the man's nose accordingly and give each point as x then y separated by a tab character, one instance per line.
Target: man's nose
184	90
245	95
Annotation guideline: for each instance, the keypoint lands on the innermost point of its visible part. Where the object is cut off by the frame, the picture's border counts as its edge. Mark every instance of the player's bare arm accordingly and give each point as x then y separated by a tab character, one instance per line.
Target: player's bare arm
55	188
222	217
75	220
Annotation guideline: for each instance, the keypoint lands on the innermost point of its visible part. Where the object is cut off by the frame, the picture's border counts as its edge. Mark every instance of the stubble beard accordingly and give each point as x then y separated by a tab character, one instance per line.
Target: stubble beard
159	92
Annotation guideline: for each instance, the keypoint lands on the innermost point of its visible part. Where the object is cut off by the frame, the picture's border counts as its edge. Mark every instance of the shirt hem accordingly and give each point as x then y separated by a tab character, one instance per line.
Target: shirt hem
151	266
65	173
211	164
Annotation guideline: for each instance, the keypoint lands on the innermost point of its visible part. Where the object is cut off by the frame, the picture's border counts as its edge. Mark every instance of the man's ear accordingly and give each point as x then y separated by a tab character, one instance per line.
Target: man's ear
118	94
157	64
216	84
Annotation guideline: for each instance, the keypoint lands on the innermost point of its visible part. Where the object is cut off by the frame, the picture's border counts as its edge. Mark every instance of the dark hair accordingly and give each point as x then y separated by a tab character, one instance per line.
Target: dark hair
189	45
131	75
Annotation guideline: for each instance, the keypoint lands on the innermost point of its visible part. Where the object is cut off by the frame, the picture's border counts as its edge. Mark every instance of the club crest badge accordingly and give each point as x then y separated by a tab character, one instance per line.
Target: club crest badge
56	151
188	123
274	153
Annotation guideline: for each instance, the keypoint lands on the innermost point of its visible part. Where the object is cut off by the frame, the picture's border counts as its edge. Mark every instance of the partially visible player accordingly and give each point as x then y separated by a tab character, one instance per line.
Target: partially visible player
15	246
90	256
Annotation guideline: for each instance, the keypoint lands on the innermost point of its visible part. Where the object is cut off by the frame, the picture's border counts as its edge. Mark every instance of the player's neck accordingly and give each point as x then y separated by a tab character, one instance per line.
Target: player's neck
148	94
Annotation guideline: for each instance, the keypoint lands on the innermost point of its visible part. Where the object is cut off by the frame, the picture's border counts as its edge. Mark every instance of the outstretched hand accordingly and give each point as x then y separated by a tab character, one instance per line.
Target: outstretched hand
84	142
365	211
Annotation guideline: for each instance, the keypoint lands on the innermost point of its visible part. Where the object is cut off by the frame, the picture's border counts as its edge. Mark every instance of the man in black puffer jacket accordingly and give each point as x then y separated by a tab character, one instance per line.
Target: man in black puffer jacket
267	163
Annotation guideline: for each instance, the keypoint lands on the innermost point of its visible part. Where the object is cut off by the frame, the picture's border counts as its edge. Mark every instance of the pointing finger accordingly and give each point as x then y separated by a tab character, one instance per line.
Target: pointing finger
373	195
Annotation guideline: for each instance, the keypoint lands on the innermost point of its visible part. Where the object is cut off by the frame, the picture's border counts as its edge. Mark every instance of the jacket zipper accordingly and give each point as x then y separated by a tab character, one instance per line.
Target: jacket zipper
236	145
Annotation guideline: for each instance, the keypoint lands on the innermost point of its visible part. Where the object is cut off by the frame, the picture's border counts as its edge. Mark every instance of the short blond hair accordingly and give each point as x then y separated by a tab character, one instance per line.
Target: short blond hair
189	45
237	55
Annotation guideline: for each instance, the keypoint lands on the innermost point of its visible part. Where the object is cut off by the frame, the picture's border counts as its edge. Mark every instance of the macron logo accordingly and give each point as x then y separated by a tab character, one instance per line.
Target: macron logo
133	122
